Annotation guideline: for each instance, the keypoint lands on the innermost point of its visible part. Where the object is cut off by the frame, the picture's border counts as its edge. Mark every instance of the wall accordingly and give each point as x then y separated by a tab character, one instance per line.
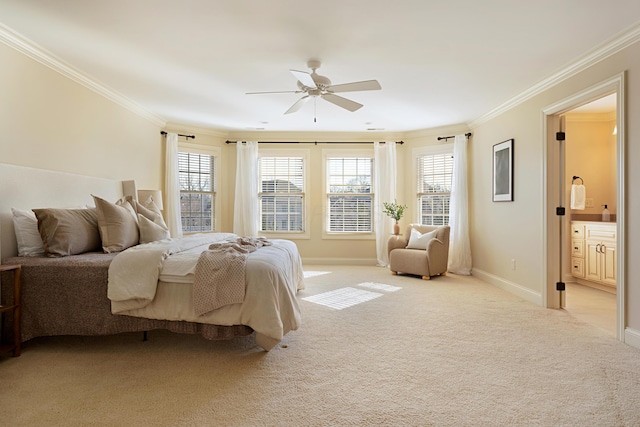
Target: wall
49	121
506	231
591	155
516	230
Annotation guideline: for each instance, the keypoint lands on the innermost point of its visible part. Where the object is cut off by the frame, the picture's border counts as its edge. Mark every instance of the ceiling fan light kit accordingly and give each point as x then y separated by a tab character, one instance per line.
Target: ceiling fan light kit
316	86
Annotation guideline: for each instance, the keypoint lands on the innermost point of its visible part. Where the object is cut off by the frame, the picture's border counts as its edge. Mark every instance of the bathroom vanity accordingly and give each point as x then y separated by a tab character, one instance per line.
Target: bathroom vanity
593	253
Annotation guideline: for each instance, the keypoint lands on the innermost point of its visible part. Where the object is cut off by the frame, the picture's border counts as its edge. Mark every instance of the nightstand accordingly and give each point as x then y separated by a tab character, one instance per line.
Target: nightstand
12	308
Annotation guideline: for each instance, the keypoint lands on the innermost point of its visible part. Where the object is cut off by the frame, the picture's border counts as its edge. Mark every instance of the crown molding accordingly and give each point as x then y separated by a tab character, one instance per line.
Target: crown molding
39	54
293	136
603	51
184	128
437	131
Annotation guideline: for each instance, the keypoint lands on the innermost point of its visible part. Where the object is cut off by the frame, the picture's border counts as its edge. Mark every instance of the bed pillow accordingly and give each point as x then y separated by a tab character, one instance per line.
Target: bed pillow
151	205
152	212
151	231
147	213
418	240
117	223
28	237
68	231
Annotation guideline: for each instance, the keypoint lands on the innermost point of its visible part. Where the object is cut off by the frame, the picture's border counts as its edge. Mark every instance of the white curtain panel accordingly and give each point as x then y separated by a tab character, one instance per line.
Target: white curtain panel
172	187
384	187
459	246
245	209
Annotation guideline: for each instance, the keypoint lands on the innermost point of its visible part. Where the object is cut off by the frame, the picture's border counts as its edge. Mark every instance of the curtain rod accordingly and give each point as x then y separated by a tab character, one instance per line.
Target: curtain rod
186	136
314	142
447	137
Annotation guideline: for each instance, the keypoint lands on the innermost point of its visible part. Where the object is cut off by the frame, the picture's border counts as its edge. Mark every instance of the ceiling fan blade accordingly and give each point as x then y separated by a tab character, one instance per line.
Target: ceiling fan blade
281	91
304	78
345	103
355	86
299	103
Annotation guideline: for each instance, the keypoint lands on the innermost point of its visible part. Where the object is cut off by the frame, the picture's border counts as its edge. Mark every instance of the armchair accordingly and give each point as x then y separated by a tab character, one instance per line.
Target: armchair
427	257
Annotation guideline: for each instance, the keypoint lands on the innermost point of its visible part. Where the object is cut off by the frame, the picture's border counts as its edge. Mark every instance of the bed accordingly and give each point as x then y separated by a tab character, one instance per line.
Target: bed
68	295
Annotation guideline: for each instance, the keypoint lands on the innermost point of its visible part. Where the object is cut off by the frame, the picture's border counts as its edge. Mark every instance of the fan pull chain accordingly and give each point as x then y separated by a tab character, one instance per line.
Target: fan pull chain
314	110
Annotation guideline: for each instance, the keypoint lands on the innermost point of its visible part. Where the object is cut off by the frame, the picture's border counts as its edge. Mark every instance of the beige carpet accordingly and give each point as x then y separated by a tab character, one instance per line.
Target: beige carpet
449	352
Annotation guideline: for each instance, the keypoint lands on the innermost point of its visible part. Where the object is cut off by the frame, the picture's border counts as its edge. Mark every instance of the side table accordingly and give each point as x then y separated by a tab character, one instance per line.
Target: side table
12	308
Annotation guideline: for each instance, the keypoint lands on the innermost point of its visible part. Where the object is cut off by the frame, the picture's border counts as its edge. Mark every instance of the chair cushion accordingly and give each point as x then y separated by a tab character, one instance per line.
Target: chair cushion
418	240
409	261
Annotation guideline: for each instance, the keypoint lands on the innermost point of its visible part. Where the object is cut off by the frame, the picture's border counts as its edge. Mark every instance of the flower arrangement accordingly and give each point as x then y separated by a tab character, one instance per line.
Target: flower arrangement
394	210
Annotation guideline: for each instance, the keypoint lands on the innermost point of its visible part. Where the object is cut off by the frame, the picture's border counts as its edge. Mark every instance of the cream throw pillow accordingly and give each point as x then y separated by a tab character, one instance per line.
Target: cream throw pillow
418	240
150	231
150	221
147	213
150	205
117	223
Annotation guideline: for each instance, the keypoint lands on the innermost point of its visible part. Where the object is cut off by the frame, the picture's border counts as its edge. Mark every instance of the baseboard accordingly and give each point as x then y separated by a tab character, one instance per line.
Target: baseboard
340	261
511	287
632	337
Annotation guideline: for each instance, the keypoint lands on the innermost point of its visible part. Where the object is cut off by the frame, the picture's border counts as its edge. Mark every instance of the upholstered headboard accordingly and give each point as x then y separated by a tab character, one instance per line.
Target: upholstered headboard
28	188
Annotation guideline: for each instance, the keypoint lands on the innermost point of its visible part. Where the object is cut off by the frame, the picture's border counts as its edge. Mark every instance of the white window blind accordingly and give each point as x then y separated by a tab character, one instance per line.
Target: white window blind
349	194
197	191
282	193
434	174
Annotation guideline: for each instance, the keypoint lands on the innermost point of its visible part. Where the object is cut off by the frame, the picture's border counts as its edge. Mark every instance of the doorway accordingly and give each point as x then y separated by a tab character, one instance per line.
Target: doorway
558	188
589	165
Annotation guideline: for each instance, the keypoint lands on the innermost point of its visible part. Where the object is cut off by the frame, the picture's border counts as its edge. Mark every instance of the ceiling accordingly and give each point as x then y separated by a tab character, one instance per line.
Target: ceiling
191	62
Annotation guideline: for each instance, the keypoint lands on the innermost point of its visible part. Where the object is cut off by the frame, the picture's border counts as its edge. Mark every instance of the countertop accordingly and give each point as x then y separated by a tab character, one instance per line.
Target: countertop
593	218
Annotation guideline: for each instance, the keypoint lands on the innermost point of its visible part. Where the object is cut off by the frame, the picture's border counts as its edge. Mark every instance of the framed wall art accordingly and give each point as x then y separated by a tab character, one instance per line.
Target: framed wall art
503	171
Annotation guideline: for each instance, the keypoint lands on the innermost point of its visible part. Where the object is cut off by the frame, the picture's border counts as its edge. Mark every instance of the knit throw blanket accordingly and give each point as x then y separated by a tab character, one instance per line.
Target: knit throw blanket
220	273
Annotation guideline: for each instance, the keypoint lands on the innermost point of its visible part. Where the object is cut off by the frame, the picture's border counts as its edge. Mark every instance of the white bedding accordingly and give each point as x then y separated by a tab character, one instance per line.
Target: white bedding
273	276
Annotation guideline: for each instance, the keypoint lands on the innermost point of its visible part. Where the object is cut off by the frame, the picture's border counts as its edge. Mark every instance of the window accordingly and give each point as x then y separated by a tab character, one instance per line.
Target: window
349	194
282	184
197	174
434	174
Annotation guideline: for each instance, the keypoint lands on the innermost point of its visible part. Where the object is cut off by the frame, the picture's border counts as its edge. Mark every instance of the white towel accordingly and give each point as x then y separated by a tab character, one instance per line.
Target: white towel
578	196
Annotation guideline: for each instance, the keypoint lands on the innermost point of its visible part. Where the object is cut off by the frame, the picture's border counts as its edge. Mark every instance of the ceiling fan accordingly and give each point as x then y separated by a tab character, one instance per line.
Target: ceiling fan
316	86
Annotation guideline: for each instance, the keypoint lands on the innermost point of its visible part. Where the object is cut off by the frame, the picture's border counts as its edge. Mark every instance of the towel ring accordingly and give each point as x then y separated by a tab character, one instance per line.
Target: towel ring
577	177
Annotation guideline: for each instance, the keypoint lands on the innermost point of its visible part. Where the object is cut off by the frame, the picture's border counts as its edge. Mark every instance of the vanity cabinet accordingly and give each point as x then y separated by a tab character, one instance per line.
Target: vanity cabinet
593	251
577	250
